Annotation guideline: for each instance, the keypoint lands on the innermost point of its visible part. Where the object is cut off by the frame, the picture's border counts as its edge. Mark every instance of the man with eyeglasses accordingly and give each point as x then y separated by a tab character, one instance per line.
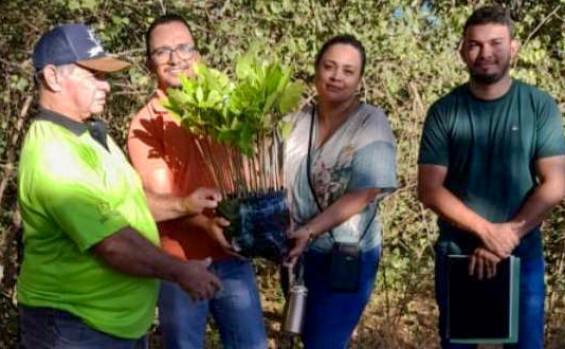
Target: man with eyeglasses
166	157
92	262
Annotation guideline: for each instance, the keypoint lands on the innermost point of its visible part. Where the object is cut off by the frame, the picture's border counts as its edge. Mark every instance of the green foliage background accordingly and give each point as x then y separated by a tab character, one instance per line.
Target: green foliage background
412	60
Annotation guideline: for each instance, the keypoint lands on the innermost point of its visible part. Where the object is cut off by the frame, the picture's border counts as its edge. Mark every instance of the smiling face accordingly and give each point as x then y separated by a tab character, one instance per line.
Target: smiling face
487	51
173	52
338	74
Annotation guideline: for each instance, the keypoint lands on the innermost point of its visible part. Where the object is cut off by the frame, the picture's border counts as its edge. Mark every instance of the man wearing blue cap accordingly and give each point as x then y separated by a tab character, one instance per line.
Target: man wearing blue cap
92	261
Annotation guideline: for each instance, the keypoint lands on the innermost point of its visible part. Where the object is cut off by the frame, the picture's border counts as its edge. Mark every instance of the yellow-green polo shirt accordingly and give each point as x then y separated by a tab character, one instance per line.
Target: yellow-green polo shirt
73	193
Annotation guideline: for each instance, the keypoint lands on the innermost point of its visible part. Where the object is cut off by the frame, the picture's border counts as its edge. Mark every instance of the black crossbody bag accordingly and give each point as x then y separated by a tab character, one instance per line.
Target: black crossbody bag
345	257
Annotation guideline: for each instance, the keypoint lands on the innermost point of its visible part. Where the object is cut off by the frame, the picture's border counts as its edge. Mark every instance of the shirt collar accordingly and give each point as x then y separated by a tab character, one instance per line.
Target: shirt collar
96	127
75	127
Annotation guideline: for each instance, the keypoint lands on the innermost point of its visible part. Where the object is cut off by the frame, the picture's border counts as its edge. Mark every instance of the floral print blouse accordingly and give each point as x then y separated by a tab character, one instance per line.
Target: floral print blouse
359	155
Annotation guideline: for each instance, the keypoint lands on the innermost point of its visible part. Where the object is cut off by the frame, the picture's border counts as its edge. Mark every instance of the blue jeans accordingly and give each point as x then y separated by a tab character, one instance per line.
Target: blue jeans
44	328
332	316
236	309
532	295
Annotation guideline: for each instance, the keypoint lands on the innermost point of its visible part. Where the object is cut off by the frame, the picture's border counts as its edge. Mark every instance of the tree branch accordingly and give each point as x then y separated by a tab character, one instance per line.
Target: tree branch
8	170
539	26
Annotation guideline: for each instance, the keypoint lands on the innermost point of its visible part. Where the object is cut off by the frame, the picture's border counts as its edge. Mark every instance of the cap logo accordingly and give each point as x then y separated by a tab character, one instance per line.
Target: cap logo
97	49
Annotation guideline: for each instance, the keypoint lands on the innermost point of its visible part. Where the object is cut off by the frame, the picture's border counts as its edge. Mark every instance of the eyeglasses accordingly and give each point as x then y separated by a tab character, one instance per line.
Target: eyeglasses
163	54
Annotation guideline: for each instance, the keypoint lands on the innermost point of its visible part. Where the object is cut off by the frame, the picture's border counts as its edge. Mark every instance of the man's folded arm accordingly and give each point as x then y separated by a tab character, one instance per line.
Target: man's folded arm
548	193
501	239
434	195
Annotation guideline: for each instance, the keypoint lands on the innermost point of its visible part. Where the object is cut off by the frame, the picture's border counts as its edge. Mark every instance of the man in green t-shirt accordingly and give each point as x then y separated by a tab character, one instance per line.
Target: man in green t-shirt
491	166
92	261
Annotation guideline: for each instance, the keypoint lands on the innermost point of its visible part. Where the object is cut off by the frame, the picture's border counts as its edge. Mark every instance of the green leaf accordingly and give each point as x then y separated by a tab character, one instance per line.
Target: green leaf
290	98
236	111
285	129
199	95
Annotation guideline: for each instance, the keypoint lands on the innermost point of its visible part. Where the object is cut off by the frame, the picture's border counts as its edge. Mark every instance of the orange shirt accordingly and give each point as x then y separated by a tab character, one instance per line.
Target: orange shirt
157	142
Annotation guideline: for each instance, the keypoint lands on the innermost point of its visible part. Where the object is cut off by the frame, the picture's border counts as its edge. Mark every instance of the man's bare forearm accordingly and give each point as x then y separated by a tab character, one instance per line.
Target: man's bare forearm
549	192
130	253
538	205
165	206
440	200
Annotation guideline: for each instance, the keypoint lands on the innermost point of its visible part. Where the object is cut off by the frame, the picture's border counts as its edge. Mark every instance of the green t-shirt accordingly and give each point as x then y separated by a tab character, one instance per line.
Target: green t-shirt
73	193
490	147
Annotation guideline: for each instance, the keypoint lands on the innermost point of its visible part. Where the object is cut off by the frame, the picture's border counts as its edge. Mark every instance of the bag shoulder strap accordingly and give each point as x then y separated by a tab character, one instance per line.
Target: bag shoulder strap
308	167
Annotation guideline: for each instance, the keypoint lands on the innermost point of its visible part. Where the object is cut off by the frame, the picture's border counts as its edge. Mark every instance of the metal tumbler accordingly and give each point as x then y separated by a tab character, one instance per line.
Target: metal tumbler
294	309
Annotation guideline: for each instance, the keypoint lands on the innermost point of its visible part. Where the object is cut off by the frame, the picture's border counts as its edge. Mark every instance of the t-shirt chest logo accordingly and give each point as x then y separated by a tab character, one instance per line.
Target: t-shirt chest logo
105	211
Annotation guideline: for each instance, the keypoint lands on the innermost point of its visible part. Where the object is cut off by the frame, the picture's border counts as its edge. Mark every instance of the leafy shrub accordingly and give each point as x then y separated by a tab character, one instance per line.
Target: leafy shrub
412	61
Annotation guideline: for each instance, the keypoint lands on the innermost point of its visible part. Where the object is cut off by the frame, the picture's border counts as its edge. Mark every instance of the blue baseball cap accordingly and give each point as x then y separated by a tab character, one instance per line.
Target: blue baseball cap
74	43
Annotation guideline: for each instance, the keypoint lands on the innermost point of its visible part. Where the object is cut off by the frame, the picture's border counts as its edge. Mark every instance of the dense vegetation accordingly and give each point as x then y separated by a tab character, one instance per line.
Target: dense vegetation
412	60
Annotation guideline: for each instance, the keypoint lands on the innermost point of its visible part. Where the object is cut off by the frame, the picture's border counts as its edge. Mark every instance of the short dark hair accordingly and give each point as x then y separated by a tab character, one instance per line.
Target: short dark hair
492	14
344	39
164	19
